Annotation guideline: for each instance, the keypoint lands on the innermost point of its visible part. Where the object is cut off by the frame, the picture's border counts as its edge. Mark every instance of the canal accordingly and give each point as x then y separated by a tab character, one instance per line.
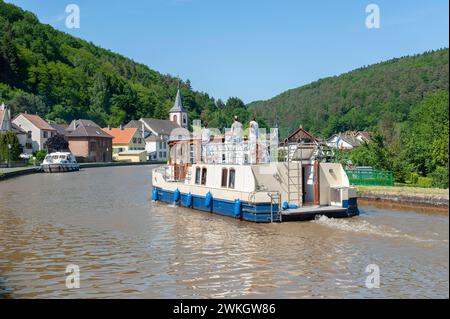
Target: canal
103	221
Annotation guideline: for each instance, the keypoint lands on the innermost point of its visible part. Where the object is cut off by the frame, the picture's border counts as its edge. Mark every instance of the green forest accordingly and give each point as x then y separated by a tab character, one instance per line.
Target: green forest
402	102
61	78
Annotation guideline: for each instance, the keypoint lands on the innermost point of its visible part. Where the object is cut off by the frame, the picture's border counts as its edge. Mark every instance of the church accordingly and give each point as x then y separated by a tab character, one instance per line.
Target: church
156	132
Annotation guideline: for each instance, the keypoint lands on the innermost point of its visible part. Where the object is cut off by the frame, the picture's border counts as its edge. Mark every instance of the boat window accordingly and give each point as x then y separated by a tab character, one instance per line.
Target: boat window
204	172
183	153
171	153
197	175
224	177
191	153
63	157
232	178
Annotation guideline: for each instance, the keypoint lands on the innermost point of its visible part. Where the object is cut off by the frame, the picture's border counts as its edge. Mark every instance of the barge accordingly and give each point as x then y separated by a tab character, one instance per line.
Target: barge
263	183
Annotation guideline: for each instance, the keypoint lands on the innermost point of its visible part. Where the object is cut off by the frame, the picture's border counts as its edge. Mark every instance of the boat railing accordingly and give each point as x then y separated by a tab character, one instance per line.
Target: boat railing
164	171
242	153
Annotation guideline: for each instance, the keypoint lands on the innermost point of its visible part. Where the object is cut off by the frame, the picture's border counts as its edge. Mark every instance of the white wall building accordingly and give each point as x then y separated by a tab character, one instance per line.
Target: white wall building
38	130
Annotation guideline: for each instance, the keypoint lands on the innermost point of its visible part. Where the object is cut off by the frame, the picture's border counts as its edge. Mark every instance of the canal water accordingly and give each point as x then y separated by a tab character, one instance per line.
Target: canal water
103	221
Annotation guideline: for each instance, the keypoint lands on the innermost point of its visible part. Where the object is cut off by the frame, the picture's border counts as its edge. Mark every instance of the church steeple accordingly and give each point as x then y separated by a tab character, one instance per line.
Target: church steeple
178	113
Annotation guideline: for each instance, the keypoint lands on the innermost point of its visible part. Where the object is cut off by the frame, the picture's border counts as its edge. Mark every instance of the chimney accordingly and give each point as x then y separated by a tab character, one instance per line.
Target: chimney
109	127
121	127
143	130
74	125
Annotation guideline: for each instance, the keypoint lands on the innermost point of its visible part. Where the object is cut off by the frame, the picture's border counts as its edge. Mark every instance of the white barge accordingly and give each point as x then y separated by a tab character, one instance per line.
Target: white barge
60	162
225	180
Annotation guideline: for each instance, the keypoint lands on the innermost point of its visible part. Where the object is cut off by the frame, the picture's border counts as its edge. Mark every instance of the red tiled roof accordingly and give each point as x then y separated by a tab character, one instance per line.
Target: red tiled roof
121	136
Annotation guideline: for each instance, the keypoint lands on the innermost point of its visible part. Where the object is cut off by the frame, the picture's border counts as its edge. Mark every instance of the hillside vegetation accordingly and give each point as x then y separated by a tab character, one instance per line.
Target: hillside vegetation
402	102
61	77
361	99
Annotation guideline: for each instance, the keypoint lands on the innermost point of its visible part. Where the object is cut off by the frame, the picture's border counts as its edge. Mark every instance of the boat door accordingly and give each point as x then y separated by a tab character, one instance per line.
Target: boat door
179	159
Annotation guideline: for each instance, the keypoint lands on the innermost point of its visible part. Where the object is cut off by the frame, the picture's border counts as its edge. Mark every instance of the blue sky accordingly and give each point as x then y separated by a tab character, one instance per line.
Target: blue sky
253	49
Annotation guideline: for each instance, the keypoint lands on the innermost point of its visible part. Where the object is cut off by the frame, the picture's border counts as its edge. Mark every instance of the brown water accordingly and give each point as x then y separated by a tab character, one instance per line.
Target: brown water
103	221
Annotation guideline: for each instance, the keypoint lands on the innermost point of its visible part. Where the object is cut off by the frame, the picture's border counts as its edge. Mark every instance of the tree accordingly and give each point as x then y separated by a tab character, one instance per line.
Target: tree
57	143
427	139
7	140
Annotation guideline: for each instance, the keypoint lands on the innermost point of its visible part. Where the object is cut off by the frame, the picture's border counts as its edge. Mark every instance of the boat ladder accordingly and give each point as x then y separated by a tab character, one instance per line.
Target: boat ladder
275	207
294	176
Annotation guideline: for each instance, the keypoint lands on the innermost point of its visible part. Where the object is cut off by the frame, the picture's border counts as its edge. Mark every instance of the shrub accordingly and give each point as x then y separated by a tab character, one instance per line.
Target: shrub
414	178
440	178
424	182
40	155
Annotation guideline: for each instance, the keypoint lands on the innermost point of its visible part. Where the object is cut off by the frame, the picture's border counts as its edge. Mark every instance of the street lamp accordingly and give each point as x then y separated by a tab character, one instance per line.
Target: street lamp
9	155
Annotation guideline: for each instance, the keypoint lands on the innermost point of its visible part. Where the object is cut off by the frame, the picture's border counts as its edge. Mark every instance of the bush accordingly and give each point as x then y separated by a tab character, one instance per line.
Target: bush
40	155
424	182
414	178
440	178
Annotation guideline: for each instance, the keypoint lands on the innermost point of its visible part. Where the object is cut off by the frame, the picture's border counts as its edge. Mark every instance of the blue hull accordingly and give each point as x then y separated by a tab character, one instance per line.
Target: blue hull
257	213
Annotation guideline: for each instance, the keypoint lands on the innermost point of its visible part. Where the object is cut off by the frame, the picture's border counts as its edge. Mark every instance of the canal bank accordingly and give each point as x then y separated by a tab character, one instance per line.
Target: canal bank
411	196
8	173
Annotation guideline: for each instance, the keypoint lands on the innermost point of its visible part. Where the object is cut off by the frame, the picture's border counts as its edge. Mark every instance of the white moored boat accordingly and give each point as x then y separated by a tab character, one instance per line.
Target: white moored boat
226	181
60	162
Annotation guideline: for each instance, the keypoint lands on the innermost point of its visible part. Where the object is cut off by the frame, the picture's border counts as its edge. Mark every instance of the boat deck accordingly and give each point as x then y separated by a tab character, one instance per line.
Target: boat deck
310	213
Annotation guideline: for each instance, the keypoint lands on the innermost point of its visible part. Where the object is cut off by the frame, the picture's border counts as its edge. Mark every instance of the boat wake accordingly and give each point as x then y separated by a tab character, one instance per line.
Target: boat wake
364	227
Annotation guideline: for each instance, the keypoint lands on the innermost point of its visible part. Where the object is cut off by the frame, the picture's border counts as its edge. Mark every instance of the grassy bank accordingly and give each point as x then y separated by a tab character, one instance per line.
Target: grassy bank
409	195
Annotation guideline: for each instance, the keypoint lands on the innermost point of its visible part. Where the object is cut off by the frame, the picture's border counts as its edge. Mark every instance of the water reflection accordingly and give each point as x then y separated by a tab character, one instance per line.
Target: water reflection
127	247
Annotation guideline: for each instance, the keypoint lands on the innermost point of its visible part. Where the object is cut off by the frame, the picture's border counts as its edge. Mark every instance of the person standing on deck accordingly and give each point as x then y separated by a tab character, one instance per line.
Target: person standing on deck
206	139
253	140
236	136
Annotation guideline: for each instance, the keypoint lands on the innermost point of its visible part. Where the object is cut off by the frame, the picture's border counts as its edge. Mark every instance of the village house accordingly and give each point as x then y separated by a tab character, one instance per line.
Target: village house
348	140
157	132
7	126
128	144
88	142
38	132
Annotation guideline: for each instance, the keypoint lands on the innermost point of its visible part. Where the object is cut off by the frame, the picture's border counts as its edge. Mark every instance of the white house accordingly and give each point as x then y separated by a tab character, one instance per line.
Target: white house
38	130
348	140
7	126
157	132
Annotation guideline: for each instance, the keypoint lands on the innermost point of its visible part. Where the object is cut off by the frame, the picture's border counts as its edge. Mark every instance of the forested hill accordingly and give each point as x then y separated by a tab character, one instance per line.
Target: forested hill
61	77
361	99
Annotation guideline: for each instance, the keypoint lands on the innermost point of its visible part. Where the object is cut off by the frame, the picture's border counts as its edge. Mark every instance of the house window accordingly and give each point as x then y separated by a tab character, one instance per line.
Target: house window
29	134
184	119
92	145
197	175
45	133
160	154
224	177
28	146
204	172
232	178
134	140
175	118
165	154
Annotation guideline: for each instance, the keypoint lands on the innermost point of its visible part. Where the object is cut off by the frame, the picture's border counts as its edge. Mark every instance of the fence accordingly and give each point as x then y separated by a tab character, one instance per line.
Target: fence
370	177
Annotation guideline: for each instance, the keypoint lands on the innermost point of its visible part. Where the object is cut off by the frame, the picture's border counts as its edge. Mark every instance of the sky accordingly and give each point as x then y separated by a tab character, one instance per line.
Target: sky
253	49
